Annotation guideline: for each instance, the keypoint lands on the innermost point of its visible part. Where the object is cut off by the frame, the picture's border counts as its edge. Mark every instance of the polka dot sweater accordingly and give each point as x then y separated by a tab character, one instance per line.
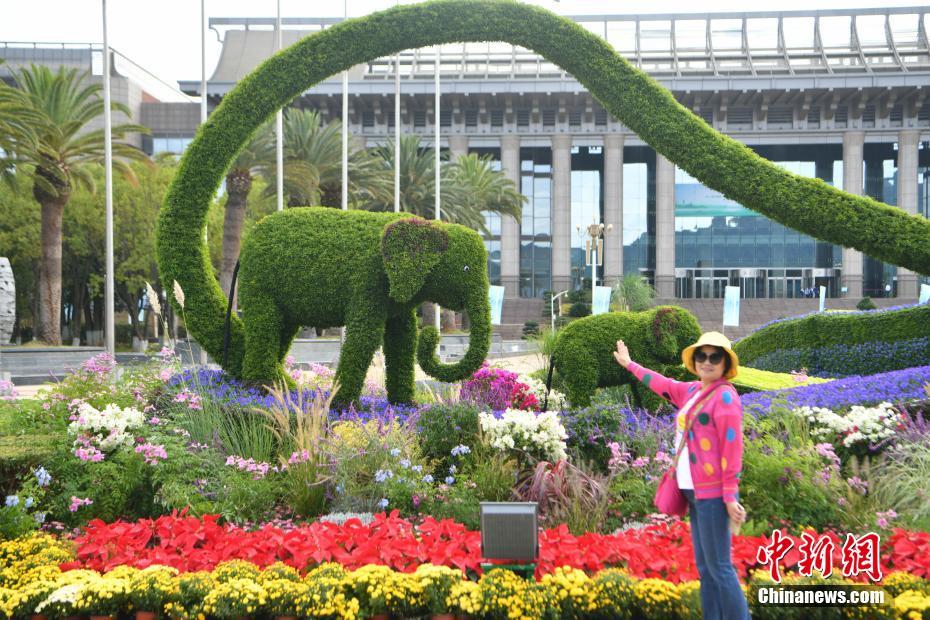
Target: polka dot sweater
715	442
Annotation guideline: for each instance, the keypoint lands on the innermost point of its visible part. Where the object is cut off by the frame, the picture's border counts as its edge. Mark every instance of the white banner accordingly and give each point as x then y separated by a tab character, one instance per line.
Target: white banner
496	297
601	302
924	294
823	297
731	306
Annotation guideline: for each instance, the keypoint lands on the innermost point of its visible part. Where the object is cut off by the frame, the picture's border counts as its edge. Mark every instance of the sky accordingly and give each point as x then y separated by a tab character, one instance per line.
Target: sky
163	36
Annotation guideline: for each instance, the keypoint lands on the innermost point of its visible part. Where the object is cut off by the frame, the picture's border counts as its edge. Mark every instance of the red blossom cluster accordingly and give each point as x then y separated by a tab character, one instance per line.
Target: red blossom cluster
661	550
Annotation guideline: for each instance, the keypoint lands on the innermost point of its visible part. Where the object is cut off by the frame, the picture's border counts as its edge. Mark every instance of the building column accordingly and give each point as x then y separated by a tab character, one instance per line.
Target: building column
665	228
853	142
907	199
613	207
510	227
458	146
561	212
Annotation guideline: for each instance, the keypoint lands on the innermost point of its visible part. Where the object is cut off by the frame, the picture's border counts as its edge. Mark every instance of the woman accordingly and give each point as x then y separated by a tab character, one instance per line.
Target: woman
709	466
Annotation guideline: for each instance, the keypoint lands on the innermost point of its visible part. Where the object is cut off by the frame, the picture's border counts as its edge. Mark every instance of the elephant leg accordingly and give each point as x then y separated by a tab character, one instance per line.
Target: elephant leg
264	324
288	333
580	377
364	333
400	348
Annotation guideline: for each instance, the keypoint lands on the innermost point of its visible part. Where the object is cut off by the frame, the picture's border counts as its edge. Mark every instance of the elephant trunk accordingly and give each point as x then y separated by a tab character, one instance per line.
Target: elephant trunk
479	314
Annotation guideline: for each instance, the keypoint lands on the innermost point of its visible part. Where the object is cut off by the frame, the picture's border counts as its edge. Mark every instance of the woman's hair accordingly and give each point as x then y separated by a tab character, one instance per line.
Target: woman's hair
727	360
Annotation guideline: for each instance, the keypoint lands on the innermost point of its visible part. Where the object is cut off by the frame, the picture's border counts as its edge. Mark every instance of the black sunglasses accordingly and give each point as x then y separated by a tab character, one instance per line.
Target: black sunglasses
715	358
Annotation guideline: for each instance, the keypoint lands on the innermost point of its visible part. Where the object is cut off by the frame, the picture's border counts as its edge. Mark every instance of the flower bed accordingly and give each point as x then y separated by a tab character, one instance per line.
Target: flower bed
31	581
191	544
895	386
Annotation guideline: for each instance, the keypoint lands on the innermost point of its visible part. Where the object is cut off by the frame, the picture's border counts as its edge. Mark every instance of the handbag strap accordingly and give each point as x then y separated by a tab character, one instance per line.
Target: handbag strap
690	422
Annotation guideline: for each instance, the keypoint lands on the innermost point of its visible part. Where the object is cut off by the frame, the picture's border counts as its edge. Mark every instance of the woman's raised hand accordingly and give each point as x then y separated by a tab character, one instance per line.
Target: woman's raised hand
622	354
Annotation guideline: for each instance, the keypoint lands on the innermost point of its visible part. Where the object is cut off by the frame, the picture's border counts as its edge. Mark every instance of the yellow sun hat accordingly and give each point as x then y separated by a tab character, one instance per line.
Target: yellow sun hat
713	339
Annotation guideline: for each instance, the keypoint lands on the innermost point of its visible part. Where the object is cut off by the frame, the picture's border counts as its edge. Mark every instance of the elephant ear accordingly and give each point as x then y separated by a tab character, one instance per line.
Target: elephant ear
665	333
410	248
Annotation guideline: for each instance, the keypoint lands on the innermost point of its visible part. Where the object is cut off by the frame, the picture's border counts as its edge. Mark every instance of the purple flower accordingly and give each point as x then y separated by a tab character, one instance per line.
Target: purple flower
895	386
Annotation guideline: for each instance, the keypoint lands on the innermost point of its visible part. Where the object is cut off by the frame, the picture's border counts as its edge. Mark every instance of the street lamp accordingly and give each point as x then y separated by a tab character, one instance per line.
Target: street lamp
555	297
594	251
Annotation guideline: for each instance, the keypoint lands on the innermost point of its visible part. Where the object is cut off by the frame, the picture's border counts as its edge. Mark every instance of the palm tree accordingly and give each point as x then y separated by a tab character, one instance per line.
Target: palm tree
60	157
484	188
256	158
16	120
469	186
313	152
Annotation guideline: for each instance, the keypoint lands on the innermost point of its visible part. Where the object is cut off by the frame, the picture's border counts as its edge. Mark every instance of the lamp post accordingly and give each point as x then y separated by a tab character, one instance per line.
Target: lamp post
554	298
594	251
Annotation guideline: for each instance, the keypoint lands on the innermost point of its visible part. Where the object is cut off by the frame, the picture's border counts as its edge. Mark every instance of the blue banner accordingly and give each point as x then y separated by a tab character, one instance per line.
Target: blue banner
601	301
731	306
496	296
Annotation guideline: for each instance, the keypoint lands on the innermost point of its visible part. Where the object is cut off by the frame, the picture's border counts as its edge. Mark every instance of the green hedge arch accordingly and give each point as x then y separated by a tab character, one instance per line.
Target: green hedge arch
808	205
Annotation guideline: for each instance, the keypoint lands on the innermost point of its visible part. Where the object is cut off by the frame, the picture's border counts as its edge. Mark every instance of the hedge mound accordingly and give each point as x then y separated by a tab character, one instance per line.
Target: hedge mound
630	95
842	344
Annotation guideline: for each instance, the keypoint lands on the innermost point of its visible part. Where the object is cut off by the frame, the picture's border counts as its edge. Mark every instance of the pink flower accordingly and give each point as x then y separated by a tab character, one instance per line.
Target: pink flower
165	374
77	502
152	452
193	402
46	405
640	462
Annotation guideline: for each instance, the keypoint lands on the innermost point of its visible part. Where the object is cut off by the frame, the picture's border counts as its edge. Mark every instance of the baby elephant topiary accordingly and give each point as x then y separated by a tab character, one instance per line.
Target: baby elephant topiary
583	353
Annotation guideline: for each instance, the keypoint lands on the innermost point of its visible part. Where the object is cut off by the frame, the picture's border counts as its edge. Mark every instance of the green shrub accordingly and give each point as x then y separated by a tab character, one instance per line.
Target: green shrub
841	343
579	309
485	475
866	303
530	330
119	487
443	427
632	293
20	454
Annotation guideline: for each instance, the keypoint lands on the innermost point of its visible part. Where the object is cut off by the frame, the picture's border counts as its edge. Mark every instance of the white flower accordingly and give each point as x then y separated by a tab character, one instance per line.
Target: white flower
542	436
557	400
178	294
152	296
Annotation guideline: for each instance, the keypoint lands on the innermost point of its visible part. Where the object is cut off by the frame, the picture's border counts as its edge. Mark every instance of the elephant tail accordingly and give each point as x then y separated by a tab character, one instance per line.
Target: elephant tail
232	293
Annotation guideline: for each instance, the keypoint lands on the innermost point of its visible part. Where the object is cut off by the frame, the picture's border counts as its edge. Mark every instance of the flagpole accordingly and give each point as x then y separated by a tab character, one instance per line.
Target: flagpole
345	124
279	127
436	162
110	319
203	119
397	129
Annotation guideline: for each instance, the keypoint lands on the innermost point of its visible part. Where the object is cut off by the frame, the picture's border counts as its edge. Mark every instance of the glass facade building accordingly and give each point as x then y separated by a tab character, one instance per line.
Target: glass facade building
536	224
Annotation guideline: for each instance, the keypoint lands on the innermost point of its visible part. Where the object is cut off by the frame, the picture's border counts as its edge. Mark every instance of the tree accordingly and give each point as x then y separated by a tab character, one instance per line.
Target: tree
136	214
256	158
469	186
19	241
633	293
313	152
58	159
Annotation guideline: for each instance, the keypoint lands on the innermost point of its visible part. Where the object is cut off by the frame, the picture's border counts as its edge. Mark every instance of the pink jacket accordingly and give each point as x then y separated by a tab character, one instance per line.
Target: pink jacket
715	443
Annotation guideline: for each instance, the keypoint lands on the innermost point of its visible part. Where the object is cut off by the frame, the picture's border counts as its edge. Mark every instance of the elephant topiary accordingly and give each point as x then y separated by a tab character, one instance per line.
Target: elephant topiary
583	354
368	271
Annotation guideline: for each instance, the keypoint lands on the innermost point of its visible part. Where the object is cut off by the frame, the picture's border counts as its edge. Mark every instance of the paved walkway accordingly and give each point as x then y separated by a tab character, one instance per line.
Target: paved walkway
522	364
